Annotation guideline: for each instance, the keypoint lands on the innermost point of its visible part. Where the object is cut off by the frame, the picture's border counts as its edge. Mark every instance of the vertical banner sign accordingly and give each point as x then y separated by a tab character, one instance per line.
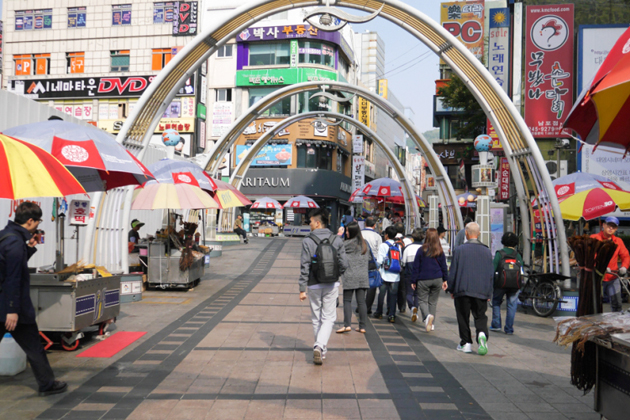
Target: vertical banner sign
382	88
464	20
364	112
357	143
504	180
499	57
358	172
185	19
548	69
294	53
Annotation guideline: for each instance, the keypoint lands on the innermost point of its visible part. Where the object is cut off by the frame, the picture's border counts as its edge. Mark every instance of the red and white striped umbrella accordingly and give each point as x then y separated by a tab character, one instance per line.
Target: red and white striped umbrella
301	202
266	203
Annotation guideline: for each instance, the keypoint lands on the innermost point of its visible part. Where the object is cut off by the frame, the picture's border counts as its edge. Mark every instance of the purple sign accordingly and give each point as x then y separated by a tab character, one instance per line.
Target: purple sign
271	33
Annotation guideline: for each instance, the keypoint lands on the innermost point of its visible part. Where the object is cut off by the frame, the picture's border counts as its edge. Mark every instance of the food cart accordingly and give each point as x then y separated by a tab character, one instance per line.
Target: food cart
164	268
612	386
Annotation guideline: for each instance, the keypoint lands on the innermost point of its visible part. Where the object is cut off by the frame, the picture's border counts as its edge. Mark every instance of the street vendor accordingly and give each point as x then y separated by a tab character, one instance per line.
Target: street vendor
611	284
134	236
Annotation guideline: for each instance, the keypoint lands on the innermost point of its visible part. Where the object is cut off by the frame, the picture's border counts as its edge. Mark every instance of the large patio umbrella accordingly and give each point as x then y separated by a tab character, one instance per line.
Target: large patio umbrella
228	196
382	187
164	171
594	203
182	196
266	203
92	155
27	171
600	115
301	202
569	185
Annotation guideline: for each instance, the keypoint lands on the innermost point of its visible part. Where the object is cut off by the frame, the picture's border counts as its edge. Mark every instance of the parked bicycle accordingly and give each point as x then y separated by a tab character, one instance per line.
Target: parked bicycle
543	290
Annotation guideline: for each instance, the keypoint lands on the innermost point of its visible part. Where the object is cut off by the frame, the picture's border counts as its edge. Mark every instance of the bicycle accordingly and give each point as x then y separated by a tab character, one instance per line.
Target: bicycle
543	291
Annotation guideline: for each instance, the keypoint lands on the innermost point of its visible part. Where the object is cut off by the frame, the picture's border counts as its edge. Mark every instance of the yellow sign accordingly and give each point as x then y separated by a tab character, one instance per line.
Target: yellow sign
364	111
382	88
464	20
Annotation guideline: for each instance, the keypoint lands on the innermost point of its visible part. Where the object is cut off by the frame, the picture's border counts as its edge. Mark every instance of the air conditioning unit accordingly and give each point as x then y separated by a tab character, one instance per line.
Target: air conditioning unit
552	168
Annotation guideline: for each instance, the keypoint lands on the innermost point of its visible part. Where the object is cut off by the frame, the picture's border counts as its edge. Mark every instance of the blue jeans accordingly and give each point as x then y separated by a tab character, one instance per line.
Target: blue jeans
391	289
511	298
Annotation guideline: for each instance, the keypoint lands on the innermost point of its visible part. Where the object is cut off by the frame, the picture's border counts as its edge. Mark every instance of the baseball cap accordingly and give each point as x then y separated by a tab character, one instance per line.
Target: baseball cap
612	219
136	223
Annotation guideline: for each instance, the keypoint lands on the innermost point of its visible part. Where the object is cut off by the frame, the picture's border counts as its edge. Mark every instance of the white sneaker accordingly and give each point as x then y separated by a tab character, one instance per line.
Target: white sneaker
433	327
429	322
466	348
414	314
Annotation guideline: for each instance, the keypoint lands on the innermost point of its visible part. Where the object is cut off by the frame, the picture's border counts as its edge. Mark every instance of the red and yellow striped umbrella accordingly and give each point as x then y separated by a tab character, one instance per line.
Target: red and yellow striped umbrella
593	203
228	196
29	171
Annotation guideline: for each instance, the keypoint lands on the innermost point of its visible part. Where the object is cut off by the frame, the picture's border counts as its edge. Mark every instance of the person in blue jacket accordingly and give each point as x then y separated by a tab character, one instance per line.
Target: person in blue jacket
17	315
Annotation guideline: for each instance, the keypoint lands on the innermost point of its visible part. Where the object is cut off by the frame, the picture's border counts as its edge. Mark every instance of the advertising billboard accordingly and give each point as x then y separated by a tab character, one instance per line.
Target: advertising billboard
548	69
464	20
270	155
499	57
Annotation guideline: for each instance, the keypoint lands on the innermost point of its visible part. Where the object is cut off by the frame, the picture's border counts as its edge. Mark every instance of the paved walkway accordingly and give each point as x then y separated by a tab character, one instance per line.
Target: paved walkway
239	346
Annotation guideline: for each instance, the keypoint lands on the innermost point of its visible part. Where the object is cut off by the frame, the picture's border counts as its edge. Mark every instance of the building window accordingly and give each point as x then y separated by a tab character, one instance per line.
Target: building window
225	51
224	95
312	52
161	57
120	60
75	62
269	54
306	103
163	12
27	20
282	107
30	64
311	156
121	14
76	17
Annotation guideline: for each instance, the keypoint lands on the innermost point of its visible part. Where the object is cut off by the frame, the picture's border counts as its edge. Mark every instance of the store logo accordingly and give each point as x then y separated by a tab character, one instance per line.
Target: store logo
184	178
549	33
563	190
610	186
244	35
76	154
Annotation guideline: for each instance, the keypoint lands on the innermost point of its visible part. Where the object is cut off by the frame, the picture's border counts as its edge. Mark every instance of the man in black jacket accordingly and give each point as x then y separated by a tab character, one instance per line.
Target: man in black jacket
470	281
17	315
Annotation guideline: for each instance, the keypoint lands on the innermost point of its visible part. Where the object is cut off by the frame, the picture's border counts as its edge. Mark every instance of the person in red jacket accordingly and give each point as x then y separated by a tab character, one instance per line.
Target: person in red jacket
612	285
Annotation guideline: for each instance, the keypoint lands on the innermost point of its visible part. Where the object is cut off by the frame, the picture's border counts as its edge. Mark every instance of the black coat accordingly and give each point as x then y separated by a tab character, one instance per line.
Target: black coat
15	296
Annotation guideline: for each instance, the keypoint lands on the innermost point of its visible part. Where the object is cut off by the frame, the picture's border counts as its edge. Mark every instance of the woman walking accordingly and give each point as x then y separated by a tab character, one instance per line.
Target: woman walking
355	279
429	276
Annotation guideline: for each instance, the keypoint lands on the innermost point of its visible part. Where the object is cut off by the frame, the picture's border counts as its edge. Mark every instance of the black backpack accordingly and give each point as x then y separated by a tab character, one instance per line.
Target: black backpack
2	259
508	275
325	263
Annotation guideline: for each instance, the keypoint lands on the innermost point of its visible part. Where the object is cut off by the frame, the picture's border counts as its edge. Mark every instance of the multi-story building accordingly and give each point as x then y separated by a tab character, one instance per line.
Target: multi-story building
93	60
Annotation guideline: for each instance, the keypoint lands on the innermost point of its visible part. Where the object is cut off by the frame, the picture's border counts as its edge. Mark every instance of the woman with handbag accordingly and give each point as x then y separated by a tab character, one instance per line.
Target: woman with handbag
429	274
355	279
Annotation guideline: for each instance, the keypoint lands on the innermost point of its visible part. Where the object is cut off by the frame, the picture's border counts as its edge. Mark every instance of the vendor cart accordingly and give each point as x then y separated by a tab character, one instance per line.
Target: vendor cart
612	389
66	307
164	269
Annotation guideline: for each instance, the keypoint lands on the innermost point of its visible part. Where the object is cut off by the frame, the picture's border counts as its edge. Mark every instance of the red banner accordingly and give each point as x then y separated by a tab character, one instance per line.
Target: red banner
504	180
548	69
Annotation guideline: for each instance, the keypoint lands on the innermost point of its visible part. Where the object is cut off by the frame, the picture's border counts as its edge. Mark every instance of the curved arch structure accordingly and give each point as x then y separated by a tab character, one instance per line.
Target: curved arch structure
526	161
411	204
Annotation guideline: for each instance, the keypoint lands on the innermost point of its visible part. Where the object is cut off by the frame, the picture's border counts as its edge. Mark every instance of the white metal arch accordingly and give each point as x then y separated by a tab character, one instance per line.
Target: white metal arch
411	205
519	145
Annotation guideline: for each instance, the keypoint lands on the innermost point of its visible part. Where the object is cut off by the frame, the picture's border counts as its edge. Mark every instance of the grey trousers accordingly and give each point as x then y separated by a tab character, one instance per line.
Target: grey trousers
323	313
428	294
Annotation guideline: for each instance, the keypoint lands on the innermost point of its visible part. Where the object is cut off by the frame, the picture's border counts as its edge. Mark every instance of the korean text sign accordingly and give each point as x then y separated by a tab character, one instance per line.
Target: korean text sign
185	20
548	69
358	172
79	212
499	57
504	180
464	20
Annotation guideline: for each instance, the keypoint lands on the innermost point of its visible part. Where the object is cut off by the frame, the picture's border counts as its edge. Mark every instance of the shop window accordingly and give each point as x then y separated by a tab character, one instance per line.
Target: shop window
75	62
224	95
160	58
163	12
312	52
225	51
282	107
76	17
269	54
28	20
312	156
306	103
121	14
30	64
120	60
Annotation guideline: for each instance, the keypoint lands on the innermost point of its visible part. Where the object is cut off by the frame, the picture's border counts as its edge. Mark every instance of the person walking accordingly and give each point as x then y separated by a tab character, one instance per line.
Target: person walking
509	241
470	281
429	276
17	314
386	260
402	242
409	255
238	228
611	283
460	238
374	241
323	261
443	242
355	280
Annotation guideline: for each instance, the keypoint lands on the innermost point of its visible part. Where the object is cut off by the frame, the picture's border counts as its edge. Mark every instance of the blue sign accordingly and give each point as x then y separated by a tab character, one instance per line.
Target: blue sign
270	155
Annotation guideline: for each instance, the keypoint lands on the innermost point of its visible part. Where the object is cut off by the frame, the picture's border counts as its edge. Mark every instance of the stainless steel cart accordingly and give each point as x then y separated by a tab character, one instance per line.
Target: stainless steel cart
612	387
164	269
67	307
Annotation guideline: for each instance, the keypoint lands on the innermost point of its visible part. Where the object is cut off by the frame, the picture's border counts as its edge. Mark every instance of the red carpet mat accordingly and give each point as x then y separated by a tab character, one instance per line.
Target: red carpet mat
112	345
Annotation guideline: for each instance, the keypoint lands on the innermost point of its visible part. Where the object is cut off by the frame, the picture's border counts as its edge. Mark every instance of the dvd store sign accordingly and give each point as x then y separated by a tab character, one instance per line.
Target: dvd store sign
185	20
182	125
89	87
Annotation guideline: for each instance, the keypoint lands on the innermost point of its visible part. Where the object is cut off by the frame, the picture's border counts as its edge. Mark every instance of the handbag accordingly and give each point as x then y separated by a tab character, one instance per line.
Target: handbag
375	274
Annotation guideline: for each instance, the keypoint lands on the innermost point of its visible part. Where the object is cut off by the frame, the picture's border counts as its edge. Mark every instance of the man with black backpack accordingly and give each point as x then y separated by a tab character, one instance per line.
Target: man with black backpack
507	282
323	261
17	315
388	259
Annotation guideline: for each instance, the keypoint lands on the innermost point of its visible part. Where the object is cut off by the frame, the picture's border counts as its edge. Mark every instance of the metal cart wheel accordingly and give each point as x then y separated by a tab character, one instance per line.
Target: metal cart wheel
69	346
545	299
